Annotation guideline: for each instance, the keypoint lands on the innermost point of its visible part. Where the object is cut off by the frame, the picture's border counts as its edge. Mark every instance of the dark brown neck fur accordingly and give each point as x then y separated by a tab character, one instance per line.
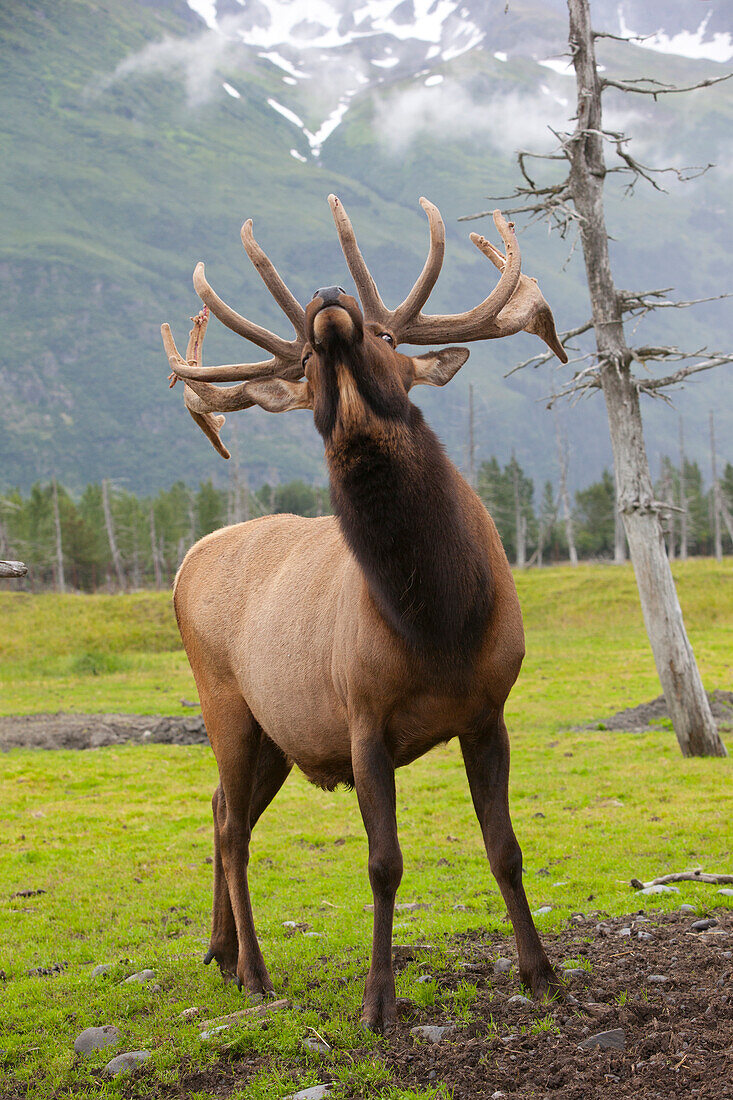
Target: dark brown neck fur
398	500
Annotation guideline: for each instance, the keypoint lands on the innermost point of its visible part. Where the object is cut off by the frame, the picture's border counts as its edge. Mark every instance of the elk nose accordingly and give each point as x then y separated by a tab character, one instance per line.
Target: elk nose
329	294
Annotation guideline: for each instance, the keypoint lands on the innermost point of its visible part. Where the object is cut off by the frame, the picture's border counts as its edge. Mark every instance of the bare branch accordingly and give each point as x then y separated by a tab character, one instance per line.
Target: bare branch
682	876
652	385
622	37
659	88
538	360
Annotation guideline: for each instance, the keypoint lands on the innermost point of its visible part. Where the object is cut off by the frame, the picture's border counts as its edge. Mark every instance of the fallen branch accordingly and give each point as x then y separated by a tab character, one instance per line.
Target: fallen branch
245	1014
684	876
13	569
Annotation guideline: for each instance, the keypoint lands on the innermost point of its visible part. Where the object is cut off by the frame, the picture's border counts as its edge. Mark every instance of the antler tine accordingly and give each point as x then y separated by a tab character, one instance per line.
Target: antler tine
281	349
428	277
476	323
190	367
373	306
272	280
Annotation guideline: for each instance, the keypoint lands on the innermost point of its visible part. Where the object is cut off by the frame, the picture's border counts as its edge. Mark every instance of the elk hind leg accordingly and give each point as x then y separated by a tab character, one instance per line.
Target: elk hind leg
236	740
273	768
486	757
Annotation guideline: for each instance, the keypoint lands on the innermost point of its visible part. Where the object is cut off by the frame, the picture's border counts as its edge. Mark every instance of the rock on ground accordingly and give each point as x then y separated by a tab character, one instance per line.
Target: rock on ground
125	1063
96	1038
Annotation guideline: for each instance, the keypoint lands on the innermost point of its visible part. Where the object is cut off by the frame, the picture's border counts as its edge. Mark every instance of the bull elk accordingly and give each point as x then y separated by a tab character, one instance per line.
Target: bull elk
352	644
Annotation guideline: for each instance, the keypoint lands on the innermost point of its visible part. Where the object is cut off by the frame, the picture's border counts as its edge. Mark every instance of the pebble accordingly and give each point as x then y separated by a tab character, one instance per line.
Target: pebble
431	1033
190	1013
424	978
625	932
574	972
141	976
542	910
315	1045
659	978
317	1092
502	966
101	970
725	891
497	1095
687	908
703	925
518	999
660	888
123	1063
96	1038
647	936
606	1040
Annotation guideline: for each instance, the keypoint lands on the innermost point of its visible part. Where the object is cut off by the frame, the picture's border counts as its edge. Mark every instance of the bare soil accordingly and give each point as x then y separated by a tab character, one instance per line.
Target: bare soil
677	1034
95	731
650	716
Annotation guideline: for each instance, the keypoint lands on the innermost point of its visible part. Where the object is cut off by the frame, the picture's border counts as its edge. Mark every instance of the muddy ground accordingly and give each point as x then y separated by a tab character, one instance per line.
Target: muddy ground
94	731
667	997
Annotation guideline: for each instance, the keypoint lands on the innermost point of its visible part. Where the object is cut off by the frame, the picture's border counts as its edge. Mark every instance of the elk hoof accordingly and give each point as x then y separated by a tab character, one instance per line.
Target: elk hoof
545	982
209	957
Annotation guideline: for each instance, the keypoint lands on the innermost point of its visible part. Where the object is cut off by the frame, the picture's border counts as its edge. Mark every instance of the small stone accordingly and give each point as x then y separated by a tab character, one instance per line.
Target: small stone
519	1000
190	1013
424	978
502	966
96	1038
703	925
101	970
317	1092
141	976
646	936
687	908
575	972
542	910
431	1033
725	891
460	908
124	1063
625	932
660	888
606	1040
497	1095
660	979
314	1045
210	1032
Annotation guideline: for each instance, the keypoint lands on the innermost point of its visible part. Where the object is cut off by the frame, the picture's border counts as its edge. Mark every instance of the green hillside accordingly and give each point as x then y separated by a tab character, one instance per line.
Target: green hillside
111	190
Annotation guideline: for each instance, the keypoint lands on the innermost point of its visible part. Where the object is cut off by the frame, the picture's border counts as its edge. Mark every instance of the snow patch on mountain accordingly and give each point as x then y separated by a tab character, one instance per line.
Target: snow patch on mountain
694	44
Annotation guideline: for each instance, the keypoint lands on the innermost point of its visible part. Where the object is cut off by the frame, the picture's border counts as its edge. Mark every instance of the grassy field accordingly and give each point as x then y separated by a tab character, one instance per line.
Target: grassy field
119	838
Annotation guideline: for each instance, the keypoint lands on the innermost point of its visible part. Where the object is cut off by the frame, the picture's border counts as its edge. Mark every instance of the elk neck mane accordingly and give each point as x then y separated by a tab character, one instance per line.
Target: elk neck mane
404	512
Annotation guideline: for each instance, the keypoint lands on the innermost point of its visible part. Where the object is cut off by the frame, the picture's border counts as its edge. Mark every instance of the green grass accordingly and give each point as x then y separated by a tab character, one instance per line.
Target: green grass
119	838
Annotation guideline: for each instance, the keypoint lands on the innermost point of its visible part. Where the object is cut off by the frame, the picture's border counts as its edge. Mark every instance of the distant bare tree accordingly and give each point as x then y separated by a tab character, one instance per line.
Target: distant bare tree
577	202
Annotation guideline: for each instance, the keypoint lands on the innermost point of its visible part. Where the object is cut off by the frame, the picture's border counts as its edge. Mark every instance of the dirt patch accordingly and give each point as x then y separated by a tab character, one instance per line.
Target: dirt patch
95	731
667	996
650	716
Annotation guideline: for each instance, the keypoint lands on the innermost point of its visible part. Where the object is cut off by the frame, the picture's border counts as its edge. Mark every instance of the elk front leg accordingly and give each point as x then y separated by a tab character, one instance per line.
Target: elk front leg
375	789
486	757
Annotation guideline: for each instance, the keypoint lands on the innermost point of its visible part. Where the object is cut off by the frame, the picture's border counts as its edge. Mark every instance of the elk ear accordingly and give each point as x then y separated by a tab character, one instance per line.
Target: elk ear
435	368
277	395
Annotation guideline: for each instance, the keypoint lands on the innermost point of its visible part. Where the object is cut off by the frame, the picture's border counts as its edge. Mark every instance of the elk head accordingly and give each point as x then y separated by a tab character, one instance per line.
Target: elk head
308	371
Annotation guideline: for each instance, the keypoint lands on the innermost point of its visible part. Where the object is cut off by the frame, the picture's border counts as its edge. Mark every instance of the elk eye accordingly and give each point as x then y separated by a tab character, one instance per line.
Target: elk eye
387	337
305	358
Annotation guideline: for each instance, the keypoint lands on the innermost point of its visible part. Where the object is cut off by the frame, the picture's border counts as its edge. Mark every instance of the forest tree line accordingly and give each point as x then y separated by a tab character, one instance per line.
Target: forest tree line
111	539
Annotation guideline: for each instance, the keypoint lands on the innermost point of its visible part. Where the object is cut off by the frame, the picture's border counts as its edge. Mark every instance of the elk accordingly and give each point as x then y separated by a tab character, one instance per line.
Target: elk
352	644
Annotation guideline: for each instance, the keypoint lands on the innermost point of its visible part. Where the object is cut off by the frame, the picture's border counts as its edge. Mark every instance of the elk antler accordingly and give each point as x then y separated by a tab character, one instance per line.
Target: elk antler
515	303
200	397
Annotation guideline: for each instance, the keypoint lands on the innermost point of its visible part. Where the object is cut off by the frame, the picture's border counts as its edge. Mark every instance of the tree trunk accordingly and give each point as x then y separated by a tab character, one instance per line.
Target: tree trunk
520	523
683	499
686	699
60	578
116	559
619	535
715	495
12	569
565	498
154	552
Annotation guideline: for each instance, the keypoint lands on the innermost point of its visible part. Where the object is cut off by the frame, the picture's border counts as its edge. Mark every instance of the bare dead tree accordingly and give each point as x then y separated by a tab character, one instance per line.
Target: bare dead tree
60	578
683	498
715	494
576	203
564	497
154	553
109	524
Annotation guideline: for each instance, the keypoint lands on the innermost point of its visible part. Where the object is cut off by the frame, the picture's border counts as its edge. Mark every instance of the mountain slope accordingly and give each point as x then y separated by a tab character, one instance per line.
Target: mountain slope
140	139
